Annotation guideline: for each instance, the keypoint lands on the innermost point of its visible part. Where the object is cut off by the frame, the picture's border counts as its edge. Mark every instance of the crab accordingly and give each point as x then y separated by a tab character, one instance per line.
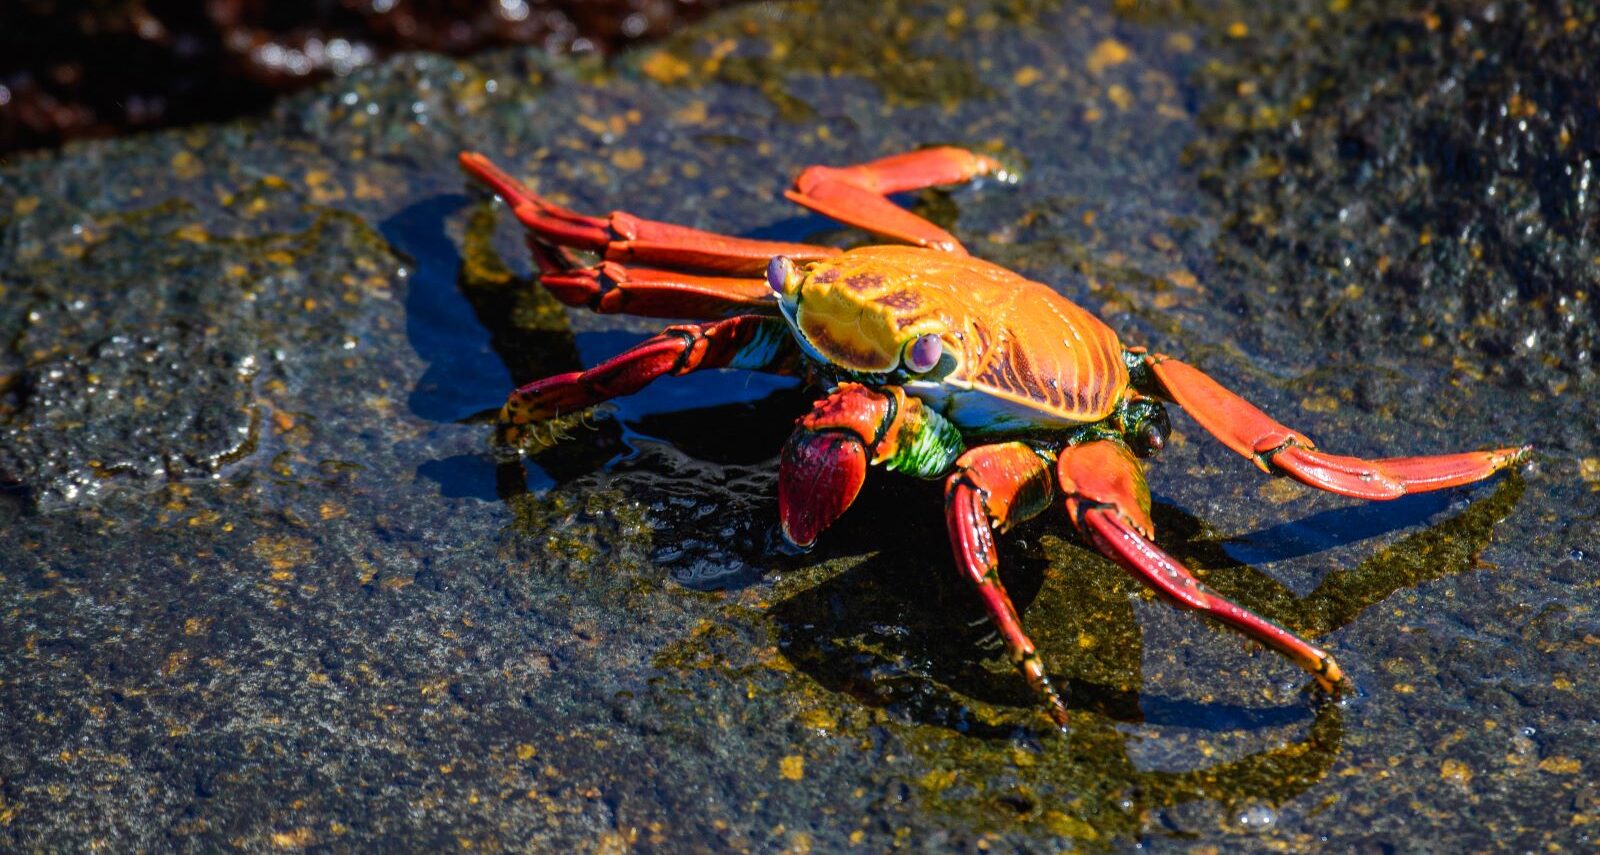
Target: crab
935	364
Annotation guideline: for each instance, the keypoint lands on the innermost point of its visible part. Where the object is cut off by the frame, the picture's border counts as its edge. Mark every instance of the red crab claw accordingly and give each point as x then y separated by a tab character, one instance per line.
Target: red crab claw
818	477
825	461
826	458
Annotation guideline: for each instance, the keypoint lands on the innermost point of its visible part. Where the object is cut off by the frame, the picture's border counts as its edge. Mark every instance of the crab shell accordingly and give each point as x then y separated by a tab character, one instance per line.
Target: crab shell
1016	355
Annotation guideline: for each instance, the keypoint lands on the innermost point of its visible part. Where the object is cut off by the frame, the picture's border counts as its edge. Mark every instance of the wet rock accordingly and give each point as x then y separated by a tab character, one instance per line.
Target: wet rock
112	390
370	629
1420	178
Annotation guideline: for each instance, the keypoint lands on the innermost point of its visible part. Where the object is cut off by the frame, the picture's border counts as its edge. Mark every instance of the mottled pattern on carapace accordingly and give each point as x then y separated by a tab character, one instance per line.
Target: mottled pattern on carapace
903	302
1013	338
863	282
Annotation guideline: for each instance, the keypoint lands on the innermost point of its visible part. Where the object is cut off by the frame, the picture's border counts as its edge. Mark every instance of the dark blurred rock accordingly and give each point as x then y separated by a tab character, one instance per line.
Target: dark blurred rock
73	70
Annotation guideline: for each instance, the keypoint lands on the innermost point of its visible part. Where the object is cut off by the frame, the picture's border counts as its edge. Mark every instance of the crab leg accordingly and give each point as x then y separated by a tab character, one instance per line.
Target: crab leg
623	237
745	341
1252	433
824	463
611	288
1109	502
856	194
996	487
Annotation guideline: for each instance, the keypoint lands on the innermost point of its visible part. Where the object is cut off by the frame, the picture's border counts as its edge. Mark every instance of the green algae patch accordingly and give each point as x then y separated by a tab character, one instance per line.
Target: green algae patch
1086	789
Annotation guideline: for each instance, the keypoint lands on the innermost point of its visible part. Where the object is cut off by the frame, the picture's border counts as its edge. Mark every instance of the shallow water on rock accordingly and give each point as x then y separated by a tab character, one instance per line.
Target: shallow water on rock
264	582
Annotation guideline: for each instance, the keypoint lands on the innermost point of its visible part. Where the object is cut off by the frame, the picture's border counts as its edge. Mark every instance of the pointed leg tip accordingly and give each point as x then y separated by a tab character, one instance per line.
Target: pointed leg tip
512	437
1058	716
518	412
1330	678
999	170
1511	456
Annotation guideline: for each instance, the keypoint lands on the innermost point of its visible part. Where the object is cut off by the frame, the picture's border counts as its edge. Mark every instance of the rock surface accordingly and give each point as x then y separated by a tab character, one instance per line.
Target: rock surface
265	585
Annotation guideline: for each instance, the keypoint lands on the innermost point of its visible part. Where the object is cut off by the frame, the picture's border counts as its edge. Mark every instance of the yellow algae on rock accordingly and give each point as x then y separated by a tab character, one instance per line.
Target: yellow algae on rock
1106	54
663	67
282	553
793	767
185	165
1561	765
1455	772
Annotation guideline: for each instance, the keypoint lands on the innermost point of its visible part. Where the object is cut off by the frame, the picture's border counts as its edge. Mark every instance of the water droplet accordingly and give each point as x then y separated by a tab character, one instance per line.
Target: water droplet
1258	816
634	25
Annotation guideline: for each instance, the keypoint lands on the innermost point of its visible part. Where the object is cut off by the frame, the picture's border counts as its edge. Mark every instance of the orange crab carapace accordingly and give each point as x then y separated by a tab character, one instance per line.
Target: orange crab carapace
936	364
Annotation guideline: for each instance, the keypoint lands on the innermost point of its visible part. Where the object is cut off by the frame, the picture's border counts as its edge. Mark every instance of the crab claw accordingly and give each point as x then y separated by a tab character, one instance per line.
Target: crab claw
818	477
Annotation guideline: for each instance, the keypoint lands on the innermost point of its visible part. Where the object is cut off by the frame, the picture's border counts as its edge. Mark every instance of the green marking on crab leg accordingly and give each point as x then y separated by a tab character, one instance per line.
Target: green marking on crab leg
929	443
825	461
768	344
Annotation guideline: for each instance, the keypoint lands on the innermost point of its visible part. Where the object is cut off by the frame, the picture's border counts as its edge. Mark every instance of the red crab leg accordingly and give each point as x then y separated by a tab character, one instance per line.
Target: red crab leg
622	237
855	194
611	288
746	341
996	487
1110	504
825	460
1250	432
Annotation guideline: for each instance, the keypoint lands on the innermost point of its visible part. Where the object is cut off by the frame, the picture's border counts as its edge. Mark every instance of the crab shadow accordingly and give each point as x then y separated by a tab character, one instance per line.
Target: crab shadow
899	630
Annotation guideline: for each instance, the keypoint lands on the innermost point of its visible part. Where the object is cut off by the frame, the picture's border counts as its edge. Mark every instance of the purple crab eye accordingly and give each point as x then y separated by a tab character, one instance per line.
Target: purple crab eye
778	272
924	353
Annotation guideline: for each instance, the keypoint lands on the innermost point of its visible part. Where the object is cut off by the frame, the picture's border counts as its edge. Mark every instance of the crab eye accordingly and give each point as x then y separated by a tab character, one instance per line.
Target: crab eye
924	353
779	269
1151	436
1151	440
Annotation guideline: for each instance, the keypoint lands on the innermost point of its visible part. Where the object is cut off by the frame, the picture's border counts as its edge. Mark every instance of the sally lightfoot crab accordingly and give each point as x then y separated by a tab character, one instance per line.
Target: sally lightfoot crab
936	364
